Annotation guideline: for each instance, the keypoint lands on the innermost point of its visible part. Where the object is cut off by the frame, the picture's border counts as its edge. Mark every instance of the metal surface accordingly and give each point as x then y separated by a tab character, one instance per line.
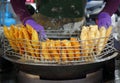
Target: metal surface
24	78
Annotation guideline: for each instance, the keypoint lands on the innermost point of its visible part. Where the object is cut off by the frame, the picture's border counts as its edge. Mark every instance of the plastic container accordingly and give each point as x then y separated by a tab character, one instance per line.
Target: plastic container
2	11
6	13
9	21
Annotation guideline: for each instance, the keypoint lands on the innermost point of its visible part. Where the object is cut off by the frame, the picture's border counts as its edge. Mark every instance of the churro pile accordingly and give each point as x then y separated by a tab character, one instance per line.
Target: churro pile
20	37
95	39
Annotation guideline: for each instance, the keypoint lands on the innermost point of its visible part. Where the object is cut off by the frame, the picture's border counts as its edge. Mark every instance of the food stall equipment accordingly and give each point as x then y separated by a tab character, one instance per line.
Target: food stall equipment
49	69
61	70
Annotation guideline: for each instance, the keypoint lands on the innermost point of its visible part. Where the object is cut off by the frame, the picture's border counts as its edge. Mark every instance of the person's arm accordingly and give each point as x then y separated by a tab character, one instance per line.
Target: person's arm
20	9
24	15
111	6
104	17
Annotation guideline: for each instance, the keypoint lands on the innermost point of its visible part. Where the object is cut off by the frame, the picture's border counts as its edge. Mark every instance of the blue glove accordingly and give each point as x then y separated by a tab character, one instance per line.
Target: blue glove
38	28
104	19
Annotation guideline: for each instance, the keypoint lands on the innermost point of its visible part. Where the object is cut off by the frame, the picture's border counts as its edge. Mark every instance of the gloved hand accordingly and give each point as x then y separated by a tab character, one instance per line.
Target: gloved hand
104	19
38	28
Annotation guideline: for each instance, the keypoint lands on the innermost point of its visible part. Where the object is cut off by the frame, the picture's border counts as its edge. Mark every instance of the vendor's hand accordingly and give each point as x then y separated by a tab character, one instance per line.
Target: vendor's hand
38	28
104	19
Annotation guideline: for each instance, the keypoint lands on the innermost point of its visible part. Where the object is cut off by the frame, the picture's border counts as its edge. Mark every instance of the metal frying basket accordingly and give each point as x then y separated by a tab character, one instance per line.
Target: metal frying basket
68	51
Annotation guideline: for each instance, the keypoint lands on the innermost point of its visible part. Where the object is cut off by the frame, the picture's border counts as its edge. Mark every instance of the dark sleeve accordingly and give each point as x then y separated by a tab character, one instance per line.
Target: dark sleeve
20	9
111	6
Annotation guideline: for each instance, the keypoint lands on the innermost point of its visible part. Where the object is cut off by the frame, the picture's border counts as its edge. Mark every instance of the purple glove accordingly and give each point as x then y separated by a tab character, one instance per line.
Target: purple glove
38	28
104	19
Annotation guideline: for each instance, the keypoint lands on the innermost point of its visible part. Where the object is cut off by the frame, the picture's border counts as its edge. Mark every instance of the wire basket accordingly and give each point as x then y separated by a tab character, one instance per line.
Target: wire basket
60	48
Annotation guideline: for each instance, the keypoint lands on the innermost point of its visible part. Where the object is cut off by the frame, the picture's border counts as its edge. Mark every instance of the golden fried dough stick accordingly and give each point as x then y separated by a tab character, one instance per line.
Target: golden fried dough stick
108	33
8	36
53	51
21	41
84	41
76	46
29	29
63	51
6	32
105	40
69	49
35	42
35	39
27	43
13	37
44	50
97	36
93	37
21	38
101	42
58	46
17	40
64	54
12	28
